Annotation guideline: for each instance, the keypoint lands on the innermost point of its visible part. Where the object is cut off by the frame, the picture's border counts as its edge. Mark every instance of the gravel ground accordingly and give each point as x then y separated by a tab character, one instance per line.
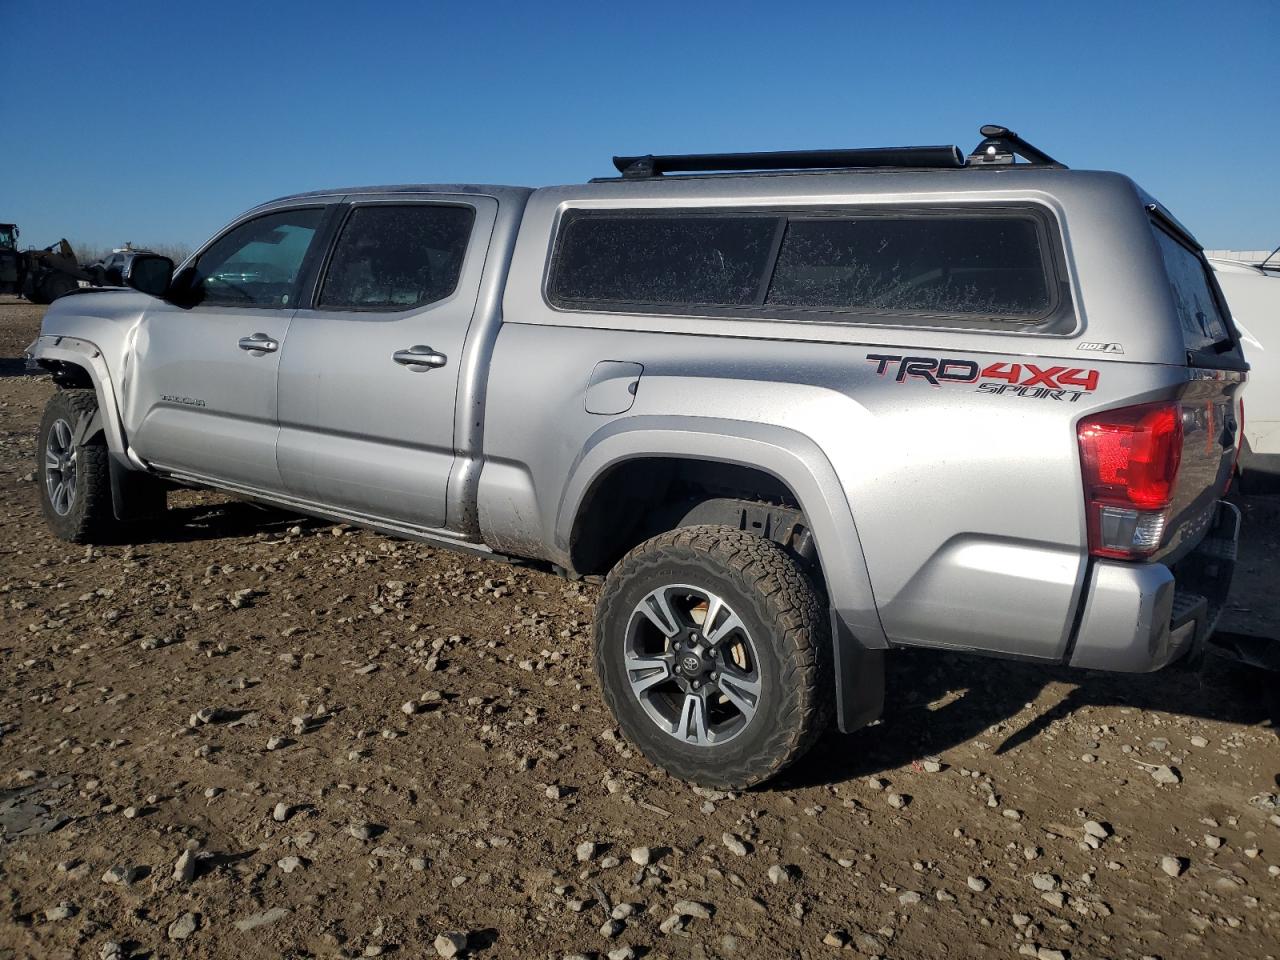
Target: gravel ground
254	735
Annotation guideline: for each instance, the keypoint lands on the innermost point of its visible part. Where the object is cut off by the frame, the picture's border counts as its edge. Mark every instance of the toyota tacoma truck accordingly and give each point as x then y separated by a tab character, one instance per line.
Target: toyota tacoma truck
794	410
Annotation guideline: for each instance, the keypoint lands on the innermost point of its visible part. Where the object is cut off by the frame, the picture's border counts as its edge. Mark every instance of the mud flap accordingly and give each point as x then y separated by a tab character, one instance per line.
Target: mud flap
134	495
859	676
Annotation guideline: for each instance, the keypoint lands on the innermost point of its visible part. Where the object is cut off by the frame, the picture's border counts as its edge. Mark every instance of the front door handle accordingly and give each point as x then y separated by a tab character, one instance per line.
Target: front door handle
258	344
420	356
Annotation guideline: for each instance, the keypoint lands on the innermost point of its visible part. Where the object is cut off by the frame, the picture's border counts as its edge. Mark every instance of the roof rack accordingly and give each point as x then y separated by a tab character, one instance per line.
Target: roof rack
999	146
655	166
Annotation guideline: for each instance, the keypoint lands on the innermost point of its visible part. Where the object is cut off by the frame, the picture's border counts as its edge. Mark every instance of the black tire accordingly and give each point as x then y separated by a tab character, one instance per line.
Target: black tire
87	516
781	611
35	292
58	285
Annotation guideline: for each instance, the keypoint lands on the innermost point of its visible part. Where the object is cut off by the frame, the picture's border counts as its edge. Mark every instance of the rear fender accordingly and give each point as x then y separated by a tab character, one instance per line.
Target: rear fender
796	461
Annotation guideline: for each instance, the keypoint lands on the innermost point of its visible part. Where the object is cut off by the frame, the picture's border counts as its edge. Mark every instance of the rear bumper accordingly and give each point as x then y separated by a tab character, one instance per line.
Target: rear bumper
1140	617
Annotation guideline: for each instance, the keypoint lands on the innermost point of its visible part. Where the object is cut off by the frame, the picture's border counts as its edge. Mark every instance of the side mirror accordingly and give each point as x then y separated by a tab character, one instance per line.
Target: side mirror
149	273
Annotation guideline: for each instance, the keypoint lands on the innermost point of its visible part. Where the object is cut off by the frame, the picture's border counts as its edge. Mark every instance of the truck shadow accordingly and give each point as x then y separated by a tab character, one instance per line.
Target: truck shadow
219	521
940	701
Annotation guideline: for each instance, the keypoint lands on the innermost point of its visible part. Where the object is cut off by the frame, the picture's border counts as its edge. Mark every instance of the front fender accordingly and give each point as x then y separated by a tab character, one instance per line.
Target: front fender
791	457
87	356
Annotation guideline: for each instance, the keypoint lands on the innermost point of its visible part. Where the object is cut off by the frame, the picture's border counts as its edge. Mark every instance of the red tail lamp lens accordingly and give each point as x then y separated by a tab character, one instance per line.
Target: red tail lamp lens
1130	460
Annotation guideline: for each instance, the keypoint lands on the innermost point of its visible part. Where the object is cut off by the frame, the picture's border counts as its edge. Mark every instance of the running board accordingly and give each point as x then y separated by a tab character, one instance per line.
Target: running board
429	535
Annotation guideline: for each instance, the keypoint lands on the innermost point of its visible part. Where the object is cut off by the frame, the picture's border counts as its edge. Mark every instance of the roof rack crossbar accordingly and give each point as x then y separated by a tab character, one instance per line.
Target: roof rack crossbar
926	157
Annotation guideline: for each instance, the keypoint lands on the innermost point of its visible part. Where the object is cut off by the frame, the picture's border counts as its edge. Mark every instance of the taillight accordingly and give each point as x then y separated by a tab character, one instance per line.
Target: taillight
1130	461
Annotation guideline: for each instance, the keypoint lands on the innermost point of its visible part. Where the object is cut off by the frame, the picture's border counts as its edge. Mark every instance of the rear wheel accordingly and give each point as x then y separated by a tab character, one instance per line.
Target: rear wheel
714	655
74	475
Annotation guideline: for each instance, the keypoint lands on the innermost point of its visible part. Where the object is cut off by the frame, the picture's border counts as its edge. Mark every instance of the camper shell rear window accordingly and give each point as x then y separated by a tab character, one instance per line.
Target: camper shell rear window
1204	327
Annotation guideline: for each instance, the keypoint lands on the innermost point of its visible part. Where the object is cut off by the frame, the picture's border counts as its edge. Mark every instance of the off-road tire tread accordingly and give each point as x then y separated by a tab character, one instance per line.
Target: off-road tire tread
800	631
93	519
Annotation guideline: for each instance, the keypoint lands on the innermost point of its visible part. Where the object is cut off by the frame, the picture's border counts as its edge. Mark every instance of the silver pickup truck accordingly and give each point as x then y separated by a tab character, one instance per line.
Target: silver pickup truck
795	409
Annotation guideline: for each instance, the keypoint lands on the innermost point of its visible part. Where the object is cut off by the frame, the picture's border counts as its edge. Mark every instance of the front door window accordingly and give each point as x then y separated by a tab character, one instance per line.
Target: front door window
258	263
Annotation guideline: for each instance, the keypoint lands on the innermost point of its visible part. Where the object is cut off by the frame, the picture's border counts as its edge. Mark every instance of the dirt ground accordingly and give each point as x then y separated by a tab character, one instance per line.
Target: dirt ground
258	736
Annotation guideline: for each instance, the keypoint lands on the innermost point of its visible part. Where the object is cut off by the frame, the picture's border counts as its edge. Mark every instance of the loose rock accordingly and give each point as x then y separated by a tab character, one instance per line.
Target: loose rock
692	908
62	911
450	944
611	928
779	873
1173	866
184	870
120	874
253	921
184	926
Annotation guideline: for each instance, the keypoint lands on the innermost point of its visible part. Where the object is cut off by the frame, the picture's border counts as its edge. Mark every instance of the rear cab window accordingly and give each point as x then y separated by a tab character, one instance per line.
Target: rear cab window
994	267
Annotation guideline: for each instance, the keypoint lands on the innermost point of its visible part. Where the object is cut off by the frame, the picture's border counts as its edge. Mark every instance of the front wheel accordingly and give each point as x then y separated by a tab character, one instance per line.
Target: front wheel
714	654
73	472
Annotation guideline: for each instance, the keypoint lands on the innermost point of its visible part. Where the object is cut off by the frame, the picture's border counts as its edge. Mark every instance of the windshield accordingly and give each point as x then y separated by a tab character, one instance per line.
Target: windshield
7	239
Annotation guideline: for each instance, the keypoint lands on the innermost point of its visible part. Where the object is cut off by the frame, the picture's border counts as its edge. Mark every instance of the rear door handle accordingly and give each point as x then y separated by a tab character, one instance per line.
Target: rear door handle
420	356
259	344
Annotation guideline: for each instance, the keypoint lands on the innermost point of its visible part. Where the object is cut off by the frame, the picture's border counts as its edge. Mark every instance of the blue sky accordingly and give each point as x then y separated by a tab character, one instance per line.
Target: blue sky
157	122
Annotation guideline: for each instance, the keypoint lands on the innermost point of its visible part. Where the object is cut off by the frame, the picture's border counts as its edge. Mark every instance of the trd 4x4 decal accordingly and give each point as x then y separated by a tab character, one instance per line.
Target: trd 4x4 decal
1012	379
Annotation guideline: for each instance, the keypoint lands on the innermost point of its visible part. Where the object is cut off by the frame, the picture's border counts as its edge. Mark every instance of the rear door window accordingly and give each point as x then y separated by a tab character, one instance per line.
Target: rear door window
1203	326
397	256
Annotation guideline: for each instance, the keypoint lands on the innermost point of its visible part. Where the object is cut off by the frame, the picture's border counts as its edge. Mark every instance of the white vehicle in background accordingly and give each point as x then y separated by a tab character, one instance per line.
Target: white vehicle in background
1252	290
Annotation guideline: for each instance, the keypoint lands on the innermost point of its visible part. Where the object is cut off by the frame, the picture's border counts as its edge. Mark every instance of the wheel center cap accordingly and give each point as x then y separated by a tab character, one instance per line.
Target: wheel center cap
695	664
